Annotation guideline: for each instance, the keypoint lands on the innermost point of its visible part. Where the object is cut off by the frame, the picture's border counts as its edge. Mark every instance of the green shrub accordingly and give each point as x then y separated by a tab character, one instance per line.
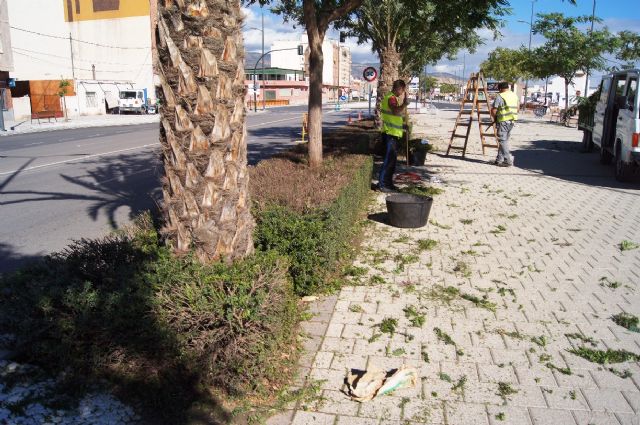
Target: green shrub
317	240
159	327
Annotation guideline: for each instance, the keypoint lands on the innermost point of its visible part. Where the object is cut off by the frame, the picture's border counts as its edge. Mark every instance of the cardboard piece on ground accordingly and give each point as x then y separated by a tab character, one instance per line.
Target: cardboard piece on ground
365	387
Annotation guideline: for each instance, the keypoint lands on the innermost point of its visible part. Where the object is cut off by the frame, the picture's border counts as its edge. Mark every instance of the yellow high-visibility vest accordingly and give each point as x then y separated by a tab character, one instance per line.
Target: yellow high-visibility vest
508	111
391	124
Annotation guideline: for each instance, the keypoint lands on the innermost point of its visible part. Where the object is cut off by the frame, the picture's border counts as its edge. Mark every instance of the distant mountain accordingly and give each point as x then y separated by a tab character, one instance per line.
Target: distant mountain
445	77
250	59
358	68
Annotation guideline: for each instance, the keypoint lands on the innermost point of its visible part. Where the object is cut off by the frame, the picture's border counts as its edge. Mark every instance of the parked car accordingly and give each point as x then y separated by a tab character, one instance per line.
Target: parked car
609	119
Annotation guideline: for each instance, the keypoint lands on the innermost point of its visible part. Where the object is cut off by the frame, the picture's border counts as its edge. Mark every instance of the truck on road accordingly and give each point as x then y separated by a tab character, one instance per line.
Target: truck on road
609	119
132	101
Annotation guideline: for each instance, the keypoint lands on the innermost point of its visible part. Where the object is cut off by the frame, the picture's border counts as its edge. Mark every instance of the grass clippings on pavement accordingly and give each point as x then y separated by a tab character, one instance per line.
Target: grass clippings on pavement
602	357
627	321
426	244
415	318
480	302
505	390
626	245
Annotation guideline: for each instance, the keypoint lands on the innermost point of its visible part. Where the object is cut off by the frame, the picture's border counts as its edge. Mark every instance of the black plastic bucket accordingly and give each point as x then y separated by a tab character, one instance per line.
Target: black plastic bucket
417	158
408	211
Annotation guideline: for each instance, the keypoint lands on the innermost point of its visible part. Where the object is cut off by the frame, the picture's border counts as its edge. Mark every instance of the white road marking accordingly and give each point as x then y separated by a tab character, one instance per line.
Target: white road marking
35	167
66	161
286	119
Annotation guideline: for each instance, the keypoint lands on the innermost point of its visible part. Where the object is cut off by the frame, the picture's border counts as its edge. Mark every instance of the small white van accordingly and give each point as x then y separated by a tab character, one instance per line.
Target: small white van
615	124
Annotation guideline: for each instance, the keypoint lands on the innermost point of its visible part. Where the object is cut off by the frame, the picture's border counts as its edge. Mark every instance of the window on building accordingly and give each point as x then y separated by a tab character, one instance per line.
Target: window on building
105	5
270	95
92	102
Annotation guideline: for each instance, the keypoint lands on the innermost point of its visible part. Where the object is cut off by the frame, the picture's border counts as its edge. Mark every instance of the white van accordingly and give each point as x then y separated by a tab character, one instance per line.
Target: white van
615	125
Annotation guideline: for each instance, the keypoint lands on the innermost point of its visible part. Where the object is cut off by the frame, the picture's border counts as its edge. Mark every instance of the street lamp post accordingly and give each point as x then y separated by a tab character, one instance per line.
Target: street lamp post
586	76
526	84
299	49
255	85
264	101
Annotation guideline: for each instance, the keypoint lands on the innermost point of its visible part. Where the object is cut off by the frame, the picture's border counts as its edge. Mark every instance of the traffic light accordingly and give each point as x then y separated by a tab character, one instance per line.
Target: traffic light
300	49
343	37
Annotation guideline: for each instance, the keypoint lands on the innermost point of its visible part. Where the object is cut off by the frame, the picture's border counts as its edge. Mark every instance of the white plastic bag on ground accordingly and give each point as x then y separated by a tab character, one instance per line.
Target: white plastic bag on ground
364	387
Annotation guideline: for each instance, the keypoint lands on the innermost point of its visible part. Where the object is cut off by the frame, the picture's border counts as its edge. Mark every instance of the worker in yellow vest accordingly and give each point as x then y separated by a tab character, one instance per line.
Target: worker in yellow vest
392	130
505	113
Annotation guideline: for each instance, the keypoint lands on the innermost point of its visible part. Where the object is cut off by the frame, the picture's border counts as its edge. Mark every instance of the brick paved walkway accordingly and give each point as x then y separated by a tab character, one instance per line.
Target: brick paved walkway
526	265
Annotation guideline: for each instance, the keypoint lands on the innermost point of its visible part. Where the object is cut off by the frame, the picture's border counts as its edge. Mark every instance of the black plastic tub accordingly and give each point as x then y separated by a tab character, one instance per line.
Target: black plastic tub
417	158
408	211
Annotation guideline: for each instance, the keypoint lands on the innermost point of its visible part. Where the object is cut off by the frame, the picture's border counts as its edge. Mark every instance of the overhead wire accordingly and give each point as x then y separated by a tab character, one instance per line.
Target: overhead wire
78	40
67	65
78	59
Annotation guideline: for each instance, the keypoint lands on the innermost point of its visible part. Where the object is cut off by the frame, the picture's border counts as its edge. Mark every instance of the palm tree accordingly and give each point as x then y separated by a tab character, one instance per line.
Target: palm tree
203	131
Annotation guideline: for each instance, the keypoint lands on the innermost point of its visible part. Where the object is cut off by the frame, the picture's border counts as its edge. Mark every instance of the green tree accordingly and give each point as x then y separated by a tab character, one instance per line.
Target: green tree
507	64
568	50
63	87
315	16
428	83
628	47
446	88
408	34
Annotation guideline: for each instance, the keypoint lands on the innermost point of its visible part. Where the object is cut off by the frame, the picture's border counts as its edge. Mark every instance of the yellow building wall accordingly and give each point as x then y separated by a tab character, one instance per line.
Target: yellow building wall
89	10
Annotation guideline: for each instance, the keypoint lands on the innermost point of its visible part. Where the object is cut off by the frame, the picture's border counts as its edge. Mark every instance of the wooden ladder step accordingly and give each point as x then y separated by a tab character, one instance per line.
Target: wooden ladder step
458	148
464	124
484	112
466	111
488	134
460	136
490	146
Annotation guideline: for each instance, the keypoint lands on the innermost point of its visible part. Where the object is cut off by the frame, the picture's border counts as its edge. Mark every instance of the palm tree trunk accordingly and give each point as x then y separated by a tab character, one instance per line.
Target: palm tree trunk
203	132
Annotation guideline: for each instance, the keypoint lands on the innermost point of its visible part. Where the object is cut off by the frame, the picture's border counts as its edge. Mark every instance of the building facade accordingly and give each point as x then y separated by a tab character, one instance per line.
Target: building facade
6	63
336	69
275	86
100	46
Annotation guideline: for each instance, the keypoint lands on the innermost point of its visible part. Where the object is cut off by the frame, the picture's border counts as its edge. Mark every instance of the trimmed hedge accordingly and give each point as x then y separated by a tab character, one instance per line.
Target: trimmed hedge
317	240
163	329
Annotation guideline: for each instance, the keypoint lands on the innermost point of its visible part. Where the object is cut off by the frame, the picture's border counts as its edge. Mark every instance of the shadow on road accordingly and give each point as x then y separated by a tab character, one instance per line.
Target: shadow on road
130	181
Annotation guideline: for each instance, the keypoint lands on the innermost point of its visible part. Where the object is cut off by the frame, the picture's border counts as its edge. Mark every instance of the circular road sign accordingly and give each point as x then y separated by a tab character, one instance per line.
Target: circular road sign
343	98
370	74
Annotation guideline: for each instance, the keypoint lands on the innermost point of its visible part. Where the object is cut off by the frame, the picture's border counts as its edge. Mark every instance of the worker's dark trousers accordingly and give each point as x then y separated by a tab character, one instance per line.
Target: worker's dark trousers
390	159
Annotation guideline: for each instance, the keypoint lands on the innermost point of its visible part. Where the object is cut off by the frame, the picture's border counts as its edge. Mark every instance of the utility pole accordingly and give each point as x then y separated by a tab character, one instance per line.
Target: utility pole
93	72
586	76
73	68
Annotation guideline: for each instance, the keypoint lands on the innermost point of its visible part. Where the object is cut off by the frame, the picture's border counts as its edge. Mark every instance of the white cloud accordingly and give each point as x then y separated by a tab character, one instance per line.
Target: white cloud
274	29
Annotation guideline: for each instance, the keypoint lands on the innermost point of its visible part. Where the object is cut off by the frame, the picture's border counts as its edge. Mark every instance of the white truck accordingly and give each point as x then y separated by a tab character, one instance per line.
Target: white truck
132	101
613	123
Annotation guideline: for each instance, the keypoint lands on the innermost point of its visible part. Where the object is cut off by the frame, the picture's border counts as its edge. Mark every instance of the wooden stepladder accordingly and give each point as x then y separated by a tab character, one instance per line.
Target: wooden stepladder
475	94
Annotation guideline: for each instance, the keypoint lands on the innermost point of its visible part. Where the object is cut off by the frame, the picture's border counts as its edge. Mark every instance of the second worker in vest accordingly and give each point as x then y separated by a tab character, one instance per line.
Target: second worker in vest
504	112
392	130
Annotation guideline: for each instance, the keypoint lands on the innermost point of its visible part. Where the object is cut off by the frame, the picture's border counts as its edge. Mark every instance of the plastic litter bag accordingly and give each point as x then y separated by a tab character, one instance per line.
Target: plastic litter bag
364	387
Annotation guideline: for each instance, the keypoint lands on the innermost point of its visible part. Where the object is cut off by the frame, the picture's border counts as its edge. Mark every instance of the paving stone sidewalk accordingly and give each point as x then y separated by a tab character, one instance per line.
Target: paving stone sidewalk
525	265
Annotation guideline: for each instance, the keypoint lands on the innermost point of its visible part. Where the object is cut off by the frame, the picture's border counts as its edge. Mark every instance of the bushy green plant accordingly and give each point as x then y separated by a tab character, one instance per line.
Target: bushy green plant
160	327
319	239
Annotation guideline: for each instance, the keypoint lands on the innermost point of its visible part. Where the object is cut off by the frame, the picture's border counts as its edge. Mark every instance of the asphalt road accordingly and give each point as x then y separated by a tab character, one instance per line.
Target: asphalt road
58	186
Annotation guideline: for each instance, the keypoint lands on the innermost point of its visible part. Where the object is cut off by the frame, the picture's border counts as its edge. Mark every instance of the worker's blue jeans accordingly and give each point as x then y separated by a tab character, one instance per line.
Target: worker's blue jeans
390	158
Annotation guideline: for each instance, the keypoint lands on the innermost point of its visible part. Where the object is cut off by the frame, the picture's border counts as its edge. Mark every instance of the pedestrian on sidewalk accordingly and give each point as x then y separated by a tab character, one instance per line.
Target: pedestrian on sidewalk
393	112
504	112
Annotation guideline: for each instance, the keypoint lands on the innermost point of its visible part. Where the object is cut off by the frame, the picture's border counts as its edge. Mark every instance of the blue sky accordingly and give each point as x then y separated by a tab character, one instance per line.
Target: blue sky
617	15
